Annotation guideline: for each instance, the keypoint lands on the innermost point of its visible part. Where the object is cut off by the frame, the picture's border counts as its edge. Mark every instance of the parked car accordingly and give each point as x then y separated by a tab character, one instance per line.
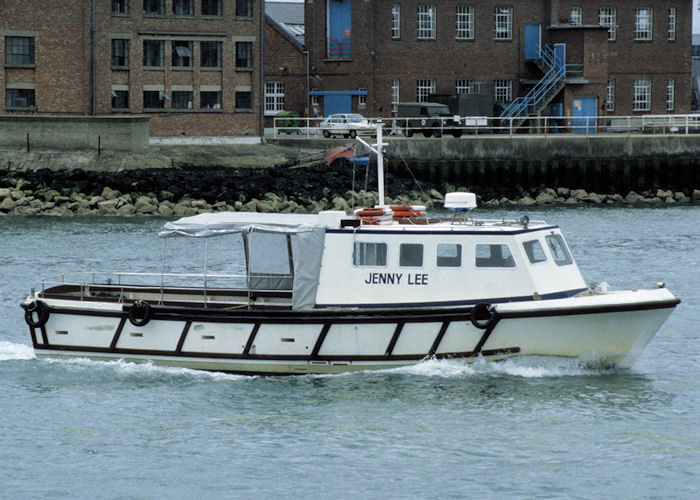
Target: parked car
346	124
430	118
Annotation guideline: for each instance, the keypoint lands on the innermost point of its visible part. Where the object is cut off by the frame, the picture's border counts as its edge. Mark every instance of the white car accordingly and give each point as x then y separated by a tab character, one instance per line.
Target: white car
347	124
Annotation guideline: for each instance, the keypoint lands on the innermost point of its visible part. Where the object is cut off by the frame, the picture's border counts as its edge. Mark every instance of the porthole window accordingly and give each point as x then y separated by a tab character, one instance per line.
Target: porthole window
449	255
369	254
411	255
558	249
494	255
534	251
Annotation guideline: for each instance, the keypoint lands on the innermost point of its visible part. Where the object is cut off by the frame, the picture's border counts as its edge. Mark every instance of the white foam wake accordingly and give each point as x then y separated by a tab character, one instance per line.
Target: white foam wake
522	366
10	351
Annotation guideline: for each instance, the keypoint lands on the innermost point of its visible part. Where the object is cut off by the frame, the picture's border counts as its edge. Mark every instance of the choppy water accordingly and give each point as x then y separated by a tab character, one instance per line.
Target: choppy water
522	428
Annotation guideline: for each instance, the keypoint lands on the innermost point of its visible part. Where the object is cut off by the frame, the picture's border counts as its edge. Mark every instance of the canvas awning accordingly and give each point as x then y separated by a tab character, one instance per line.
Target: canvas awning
220	223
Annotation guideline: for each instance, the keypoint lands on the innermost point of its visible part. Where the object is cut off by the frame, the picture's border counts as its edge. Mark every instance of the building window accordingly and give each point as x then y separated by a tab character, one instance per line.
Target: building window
426	22
211	7
608	17
396	21
244	55
503	90
395	95
642	94
315	99
120	7
120	99
19	51
244	8
183	7
670	94
153	54
210	99
243	101
153	99
20	98
210	54
576	18
423	89
362	98
182	99
274	97
672	24
464	86
610	103
181	54
120	53
503	23
154	7
643	20
465	22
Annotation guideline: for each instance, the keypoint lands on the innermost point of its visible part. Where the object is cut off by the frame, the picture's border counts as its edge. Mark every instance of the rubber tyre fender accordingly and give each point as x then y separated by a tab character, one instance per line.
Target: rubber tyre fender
42	310
479	310
140	313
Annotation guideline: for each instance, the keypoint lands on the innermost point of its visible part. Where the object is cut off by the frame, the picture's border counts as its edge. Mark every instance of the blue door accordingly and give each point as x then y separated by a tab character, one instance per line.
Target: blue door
339	29
533	40
337	103
583	114
559	54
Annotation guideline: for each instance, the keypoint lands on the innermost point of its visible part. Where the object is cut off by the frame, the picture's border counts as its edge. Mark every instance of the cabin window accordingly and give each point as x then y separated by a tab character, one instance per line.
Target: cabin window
449	255
411	255
558	249
534	251
494	255
369	254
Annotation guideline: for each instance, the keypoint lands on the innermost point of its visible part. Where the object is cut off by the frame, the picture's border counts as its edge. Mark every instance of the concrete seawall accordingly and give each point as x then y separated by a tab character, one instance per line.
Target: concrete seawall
607	163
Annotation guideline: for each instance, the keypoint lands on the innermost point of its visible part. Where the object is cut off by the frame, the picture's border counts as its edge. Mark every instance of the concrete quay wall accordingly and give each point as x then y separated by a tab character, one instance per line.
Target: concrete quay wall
113	133
604	163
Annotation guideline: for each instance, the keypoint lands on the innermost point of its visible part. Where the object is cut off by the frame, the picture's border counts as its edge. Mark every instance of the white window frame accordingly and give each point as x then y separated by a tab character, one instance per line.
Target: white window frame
576	16
464	22
643	24
362	99
464	86
610	103
426	22
642	94
395	86
424	87
672	24
670	94
607	16
396	21
274	97
503	91
503	23
315	99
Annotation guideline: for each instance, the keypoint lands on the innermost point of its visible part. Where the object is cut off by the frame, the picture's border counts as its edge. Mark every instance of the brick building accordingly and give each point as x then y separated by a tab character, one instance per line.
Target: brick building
189	64
621	57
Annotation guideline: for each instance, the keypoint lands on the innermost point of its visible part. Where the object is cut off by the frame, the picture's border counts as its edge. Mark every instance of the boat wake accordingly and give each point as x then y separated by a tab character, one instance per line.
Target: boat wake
11	351
522	366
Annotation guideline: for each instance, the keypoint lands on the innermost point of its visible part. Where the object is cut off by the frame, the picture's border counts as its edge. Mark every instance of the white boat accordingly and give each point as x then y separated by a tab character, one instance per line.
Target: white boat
337	292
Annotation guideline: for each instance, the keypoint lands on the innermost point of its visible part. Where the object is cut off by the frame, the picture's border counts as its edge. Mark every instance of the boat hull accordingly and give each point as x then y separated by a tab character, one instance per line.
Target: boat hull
609	328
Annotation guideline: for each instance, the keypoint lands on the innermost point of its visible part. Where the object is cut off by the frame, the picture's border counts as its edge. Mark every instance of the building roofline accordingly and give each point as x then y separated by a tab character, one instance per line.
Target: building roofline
280	27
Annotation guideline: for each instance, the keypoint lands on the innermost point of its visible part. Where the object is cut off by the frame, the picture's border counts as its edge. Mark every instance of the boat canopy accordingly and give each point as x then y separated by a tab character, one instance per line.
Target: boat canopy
273	241
221	223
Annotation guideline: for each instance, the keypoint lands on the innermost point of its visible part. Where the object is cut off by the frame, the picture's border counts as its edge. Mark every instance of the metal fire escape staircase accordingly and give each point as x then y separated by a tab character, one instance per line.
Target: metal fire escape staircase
555	71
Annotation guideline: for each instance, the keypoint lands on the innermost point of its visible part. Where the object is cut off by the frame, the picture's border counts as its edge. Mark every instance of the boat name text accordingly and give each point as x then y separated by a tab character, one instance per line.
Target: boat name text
395	279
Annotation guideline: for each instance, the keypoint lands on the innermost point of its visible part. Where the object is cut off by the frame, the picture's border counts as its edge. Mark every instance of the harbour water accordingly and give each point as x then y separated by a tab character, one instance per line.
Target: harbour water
523	428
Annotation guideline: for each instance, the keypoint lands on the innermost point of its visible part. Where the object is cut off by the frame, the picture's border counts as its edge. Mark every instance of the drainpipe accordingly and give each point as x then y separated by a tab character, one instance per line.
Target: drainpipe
262	74
308	101
92	58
